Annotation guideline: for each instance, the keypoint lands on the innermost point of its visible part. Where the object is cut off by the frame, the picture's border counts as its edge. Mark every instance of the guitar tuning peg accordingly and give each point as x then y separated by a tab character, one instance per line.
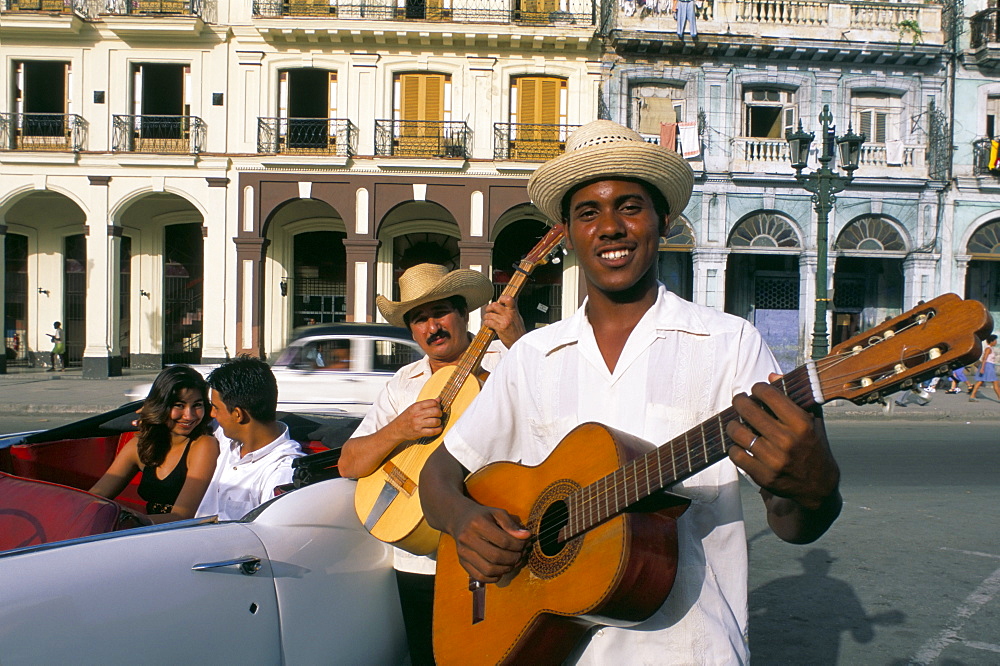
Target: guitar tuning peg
557	259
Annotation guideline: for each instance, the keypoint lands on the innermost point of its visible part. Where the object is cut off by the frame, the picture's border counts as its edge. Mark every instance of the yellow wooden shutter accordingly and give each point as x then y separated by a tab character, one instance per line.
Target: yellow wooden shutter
422	100
538	104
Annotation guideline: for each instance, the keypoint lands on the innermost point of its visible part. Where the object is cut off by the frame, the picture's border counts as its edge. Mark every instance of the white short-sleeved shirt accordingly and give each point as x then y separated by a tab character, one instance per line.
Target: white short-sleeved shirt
242	483
681	365
401	391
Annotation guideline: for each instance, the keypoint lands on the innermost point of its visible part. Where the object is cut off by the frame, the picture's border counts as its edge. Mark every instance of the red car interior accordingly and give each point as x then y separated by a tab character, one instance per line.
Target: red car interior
36	512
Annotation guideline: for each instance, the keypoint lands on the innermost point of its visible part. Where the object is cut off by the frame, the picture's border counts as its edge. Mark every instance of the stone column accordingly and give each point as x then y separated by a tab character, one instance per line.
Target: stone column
477	255
214	297
250	253
709	267
961	269
361	258
807	300
918	279
101	354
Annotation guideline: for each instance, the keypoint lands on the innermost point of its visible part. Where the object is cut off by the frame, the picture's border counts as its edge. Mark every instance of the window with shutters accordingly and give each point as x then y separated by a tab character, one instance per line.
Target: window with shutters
422	109
652	104
307	105
538	106
42	100
878	116
769	113
992	116
161	104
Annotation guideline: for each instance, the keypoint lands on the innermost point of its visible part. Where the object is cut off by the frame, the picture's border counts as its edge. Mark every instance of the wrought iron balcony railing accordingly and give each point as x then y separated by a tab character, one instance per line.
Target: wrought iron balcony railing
154	7
985	28
422	138
529	143
42	131
982	151
158	134
541	12
307	136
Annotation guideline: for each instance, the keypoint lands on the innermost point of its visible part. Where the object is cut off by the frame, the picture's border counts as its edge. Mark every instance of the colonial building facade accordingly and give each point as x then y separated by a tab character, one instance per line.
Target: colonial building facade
186	180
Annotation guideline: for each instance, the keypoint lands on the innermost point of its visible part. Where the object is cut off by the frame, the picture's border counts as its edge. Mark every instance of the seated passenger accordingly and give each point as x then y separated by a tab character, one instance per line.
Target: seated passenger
255	451
334	355
173	449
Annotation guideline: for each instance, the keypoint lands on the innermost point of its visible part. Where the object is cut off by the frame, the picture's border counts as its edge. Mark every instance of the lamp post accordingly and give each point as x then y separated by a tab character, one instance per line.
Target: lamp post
824	183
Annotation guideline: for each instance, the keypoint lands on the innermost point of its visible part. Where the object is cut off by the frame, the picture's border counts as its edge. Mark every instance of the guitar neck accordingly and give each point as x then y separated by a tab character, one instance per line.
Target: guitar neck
678	459
473	355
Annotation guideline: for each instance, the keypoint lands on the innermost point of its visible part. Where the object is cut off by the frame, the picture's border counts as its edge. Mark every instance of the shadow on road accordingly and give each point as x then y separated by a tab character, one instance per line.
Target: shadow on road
800	619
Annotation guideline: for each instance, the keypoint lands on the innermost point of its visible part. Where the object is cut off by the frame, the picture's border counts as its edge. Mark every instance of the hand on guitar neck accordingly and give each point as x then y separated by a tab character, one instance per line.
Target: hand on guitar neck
502	316
784	450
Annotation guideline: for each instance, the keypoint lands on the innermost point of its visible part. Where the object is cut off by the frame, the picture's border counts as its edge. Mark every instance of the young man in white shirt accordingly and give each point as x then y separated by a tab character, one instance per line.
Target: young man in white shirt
642	360
255	451
434	304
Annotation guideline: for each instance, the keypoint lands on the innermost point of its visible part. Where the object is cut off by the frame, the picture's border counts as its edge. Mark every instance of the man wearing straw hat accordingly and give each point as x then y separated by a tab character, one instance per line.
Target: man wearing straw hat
434	304
642	360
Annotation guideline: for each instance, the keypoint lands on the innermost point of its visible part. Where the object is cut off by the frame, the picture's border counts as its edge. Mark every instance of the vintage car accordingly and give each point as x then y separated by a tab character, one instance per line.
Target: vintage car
333	367
296	581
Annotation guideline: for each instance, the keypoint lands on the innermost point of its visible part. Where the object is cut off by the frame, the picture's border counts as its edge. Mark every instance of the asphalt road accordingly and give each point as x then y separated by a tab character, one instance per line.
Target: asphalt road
909	574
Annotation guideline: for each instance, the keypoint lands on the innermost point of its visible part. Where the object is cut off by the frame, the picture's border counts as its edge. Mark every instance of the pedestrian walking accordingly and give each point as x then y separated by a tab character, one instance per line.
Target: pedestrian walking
987	368
58	354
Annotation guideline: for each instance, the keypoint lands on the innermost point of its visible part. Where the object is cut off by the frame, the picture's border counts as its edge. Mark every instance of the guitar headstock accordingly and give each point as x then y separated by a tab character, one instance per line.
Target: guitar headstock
545	250
931	339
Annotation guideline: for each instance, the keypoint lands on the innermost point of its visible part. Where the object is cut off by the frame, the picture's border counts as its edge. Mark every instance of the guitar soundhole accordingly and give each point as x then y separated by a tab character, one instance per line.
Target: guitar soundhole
550	556
553	520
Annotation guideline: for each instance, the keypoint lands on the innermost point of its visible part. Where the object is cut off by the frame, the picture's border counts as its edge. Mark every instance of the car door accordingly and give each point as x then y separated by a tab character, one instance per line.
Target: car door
302	385
157	595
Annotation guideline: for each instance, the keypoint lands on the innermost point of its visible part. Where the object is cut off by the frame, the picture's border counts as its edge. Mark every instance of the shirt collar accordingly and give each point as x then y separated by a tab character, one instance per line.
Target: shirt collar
254	456
669	313
420	368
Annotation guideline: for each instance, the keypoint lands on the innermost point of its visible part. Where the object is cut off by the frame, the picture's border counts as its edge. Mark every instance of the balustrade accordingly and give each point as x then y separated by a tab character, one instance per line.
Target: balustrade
158	134
42	131
422	138
307	136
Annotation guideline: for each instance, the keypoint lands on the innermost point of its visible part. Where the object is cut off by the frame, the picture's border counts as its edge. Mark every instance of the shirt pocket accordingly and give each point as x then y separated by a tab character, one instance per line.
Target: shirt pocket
237	508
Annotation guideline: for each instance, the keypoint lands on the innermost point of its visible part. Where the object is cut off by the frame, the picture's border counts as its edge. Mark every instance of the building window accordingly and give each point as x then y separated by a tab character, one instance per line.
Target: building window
992	116
764	230
653	104
878	116
424	97
769	113
538	108
870	234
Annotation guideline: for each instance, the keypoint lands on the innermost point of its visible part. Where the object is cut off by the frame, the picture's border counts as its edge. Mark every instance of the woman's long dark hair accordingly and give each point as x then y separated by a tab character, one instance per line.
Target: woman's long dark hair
153	440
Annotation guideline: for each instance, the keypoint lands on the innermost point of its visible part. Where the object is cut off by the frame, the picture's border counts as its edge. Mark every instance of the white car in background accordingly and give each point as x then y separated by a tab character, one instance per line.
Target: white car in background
337	368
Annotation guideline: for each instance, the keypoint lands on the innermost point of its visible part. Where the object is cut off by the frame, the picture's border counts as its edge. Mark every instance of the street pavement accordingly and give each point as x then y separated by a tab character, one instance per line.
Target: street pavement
34	391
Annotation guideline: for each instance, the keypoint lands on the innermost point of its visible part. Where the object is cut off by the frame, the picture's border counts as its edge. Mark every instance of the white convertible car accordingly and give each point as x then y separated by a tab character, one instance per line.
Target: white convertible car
297	581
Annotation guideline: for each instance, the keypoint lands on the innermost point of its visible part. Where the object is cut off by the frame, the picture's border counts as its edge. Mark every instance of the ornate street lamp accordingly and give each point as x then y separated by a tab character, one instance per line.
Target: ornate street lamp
824	183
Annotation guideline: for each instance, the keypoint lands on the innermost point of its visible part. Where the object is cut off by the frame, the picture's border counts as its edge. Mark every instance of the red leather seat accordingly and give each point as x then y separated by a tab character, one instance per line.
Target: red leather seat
35	512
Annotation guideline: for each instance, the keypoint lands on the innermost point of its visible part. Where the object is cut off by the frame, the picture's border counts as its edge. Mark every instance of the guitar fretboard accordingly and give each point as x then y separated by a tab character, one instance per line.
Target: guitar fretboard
678	459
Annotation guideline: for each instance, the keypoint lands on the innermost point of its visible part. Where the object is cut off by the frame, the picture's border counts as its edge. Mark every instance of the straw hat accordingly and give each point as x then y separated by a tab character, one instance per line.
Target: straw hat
425	283
603	149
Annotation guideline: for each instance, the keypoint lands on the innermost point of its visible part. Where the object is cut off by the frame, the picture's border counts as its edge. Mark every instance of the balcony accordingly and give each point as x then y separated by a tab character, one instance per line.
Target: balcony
307	136
984	42
981	151
44	15
178	135
856	31
523	142
531	12
56	132
422	138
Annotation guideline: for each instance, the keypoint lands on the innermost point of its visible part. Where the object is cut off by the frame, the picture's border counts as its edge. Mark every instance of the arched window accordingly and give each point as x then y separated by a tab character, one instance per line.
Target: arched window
679	236
986	240
764	230
870	234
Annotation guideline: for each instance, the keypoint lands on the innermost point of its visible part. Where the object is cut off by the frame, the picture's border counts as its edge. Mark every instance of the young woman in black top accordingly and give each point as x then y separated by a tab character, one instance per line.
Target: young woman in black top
174	449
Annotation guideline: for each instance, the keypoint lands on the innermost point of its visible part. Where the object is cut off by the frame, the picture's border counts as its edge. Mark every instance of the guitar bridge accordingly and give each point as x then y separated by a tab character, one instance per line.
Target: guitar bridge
399	480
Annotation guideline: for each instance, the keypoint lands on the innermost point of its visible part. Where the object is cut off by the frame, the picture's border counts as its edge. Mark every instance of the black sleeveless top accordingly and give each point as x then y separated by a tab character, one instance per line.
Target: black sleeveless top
160	495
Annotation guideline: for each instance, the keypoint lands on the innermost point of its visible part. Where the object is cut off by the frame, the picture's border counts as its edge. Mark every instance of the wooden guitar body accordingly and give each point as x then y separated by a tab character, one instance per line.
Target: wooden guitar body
619	572
401	522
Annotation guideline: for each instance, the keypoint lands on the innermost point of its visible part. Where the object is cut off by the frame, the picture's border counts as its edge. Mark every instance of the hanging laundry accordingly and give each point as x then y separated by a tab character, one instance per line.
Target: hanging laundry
894	153
668	135
688	134
994	155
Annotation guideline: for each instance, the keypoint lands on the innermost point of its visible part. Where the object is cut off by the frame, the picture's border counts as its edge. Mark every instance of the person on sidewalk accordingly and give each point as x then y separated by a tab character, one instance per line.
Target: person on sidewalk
58	353
987	368
255	450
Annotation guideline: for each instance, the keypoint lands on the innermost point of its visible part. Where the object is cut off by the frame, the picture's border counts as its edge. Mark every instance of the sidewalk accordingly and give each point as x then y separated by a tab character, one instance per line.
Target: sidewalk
34	391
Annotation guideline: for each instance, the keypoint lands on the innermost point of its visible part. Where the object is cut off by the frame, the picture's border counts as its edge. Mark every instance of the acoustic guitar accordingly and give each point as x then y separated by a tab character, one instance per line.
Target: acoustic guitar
388	500
604	538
